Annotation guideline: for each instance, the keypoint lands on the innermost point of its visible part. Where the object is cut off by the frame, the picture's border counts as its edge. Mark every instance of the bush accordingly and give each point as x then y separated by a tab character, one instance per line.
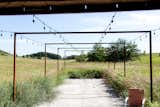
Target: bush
81	58
83	73
118	83
29	93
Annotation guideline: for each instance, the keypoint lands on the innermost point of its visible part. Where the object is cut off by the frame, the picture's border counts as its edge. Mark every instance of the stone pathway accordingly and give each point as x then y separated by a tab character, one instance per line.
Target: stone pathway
84	93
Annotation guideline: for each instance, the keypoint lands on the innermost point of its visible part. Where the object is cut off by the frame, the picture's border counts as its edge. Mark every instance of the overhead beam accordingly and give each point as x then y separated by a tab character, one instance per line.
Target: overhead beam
20	7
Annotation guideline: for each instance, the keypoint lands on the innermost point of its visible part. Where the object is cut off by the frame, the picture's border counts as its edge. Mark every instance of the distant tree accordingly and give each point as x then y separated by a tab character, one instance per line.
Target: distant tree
81	58
144	52
97	54
71	57
40	55
117	52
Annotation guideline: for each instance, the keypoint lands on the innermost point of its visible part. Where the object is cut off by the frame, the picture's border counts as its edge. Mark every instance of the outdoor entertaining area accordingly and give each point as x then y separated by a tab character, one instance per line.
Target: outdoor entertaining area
84	53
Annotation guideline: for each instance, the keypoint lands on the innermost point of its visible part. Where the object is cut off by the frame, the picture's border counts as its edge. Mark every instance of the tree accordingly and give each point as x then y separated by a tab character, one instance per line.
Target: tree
97	54
119	52
81	58
40	55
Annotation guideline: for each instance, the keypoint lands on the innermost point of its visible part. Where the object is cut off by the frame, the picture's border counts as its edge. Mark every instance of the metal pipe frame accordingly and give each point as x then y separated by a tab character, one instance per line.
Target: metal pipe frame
58	49
77	50
46	44
88	49
88	32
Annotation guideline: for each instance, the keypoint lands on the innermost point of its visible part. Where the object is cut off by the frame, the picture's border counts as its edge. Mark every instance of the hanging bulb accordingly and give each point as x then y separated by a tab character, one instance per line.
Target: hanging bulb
44	28
146	36
154	33
112	21
50	8
117	5
85	7
33	19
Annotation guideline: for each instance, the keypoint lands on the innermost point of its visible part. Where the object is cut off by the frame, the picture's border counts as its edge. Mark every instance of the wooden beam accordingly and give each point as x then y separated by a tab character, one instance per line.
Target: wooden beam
73	6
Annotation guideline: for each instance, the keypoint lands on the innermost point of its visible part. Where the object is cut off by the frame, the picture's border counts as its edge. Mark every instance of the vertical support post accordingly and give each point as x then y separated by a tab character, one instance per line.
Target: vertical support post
124	60
45	61
57	60
114	60
64	60
150	56
14	69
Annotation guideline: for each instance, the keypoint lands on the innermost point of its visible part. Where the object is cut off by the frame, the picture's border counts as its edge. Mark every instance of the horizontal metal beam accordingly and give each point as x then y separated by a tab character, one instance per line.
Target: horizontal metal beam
85	32
78	43
77	48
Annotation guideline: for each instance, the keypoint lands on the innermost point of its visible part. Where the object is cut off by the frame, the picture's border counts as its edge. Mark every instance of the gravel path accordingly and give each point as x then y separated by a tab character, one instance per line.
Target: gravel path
84	93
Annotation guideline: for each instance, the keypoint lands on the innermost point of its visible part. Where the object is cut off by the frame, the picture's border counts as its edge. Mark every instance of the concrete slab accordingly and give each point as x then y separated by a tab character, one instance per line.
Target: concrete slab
84	93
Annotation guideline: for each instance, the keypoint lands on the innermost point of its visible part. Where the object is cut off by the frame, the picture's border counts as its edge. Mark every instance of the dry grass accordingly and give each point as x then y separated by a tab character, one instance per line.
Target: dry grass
137	71
26	68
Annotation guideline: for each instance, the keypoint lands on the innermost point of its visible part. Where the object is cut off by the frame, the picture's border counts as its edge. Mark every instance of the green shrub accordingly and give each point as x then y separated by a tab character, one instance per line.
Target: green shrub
29	93
117	83
83	73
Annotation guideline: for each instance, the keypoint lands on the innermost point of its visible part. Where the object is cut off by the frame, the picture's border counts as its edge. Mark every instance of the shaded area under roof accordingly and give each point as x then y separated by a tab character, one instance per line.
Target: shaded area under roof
12	7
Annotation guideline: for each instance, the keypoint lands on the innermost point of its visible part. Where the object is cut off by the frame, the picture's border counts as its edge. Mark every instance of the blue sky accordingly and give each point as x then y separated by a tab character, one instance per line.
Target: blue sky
134	20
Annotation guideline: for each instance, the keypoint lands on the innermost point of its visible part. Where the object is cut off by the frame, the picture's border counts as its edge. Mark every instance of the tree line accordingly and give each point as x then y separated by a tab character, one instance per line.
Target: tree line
116	52
40	55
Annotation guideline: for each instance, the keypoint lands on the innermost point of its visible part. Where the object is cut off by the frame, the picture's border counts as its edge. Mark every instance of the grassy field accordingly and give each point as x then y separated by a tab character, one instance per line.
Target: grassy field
137	71
32	87
26	68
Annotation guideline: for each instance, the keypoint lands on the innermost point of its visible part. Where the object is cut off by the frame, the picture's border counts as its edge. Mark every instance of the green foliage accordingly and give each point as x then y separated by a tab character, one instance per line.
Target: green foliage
85	73
81	58
71	57
40	55
117	52
117	83
97	54
154	104
29	93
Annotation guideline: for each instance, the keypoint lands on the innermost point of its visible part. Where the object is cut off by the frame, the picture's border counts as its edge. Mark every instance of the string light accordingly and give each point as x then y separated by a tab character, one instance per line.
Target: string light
44	28
33	19
108	26
117	5
51	28
85	7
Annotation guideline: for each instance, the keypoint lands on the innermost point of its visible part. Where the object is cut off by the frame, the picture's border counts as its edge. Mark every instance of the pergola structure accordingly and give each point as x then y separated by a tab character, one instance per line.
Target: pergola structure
87	32
14	7
88	49
79	49
58	49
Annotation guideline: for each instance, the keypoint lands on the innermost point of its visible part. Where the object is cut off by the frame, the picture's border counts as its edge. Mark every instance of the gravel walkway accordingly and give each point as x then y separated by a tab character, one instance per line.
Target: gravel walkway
84	93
